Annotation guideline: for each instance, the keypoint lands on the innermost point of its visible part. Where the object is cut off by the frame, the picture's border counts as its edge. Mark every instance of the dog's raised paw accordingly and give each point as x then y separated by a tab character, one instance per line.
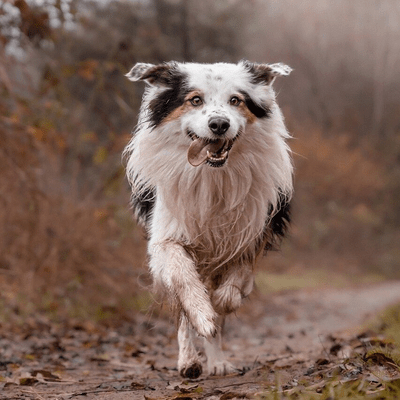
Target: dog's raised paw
192	371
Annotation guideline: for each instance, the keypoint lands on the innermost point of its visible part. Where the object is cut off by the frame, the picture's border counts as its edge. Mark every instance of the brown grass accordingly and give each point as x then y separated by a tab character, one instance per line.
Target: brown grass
340	221
59	252
330	168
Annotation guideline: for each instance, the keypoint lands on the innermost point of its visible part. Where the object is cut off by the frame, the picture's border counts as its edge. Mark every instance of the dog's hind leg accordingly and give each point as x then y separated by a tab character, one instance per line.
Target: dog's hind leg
173	268
189	365
216	361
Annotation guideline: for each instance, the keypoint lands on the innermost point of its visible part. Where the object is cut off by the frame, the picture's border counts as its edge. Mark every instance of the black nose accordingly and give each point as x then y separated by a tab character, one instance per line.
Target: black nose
218	125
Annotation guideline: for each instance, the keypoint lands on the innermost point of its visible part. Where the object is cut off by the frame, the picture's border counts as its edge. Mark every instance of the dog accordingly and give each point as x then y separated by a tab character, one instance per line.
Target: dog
211	177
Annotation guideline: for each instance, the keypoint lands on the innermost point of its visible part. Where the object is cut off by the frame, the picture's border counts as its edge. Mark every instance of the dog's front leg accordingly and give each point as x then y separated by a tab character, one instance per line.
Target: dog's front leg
173	268
189	365
216	361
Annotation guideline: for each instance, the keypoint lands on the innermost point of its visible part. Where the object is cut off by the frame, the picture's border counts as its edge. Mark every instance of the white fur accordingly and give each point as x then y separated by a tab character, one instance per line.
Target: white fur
205	217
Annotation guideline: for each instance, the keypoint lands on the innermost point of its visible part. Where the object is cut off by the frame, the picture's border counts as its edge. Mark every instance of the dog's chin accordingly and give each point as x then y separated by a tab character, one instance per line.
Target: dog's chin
211	152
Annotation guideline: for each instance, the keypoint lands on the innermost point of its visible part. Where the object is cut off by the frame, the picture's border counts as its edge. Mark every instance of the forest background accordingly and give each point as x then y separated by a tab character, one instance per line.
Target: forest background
69	246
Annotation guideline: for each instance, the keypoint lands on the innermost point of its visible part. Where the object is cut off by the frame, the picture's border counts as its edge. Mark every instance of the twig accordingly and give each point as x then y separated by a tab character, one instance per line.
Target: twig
33	392
326	352
238	384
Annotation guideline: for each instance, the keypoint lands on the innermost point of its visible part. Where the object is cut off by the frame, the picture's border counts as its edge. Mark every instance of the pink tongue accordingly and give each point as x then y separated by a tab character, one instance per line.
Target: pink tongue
197	152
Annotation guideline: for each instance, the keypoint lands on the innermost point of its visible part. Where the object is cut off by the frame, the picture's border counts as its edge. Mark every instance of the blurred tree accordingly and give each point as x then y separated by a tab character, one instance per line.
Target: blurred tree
34	22
185	33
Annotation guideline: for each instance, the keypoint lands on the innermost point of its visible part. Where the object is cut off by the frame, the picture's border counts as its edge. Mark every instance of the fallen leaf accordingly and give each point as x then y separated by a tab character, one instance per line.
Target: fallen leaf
138	386
27	381
47	375
183	387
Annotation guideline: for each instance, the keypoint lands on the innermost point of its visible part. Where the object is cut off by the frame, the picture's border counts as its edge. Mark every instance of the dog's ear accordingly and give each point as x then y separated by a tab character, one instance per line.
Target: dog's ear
154	75
266	73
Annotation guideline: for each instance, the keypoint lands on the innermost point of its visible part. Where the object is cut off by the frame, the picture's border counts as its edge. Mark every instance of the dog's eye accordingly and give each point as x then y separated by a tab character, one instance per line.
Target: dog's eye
196	101
235	101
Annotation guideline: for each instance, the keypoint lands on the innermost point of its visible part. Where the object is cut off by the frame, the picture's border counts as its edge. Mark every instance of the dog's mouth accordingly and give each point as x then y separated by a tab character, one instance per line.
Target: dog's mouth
213	152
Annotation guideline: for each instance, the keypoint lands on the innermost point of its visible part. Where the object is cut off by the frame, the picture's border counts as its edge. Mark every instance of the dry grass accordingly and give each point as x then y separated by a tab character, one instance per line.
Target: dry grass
59	252
330	168
341	209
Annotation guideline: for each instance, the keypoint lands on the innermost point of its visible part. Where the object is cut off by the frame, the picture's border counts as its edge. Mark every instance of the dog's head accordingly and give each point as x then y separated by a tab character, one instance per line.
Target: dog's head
212	103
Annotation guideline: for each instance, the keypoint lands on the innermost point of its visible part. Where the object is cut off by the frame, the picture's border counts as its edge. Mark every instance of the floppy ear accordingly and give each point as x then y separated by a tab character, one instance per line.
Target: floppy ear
154	75
266	73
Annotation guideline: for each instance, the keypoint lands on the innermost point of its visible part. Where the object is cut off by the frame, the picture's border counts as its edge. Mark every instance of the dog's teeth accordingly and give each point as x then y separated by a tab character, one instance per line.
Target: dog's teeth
215	157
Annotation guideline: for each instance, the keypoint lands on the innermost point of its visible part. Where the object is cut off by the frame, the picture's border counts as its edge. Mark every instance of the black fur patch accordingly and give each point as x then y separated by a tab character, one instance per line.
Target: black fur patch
276	227
260	111
170	98
143	204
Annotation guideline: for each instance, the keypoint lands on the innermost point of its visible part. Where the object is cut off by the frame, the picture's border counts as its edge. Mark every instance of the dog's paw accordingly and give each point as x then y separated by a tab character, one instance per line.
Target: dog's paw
191	371
221	368
206	328
227	299
204	322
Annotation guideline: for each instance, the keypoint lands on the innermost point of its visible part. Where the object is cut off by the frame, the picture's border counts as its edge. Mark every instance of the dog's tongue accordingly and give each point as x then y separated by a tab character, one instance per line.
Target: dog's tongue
197	152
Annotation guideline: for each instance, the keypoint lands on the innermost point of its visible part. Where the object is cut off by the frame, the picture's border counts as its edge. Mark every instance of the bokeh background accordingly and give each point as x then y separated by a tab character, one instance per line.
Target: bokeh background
69	246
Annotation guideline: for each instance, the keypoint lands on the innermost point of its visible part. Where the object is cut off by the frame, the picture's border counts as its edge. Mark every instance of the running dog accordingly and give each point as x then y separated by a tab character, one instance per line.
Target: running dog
211	178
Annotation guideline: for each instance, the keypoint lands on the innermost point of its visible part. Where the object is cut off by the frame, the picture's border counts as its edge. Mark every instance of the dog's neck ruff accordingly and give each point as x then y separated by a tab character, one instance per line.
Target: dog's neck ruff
217	212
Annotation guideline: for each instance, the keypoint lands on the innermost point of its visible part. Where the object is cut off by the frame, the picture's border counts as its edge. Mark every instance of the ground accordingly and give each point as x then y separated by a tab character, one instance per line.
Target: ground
287	342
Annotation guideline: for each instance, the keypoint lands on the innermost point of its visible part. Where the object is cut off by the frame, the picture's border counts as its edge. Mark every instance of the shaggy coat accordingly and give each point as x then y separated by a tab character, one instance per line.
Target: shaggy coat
211	179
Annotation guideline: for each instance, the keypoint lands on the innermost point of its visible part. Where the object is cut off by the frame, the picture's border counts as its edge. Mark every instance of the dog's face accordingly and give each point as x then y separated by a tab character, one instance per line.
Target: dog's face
211	104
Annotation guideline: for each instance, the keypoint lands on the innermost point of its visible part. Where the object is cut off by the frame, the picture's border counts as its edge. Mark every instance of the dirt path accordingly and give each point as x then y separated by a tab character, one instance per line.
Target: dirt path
281	338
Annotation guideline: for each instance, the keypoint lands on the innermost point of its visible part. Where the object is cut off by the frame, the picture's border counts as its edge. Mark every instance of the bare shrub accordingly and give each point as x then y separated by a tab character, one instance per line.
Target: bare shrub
79	253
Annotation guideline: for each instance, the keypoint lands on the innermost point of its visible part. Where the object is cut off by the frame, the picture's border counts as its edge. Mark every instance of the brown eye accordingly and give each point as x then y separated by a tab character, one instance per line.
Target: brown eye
235	101
196	101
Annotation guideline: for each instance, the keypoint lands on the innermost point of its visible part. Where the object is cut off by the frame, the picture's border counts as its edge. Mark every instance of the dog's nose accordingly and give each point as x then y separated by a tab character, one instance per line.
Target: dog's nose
218	125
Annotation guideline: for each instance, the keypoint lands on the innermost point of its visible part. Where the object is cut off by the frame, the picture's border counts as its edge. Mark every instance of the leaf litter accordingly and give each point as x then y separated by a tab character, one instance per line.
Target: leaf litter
286	345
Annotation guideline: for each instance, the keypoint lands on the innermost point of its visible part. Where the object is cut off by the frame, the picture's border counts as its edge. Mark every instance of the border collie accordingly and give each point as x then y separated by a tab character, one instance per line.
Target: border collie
211	178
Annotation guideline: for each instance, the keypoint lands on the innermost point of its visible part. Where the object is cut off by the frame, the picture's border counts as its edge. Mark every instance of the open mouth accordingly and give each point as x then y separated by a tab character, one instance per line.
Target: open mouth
213	152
